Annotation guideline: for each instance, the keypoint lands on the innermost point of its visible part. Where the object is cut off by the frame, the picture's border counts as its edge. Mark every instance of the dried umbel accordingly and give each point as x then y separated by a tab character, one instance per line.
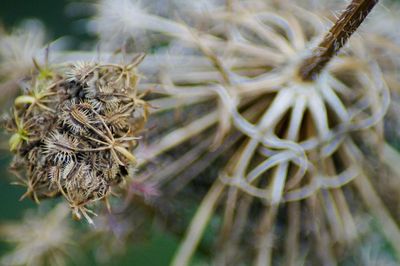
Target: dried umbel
296	145
74	129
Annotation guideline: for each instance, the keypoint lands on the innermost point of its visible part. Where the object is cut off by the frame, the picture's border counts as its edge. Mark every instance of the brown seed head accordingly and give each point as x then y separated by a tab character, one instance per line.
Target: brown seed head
73	137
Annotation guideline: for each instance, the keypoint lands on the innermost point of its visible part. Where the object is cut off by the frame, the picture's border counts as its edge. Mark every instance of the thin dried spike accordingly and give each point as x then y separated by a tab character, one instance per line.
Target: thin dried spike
292	244
229	212
186	160
319	114
256	51
79	116
266	235
197	226
273	38
391	158
349	227
373	202
214	59
84	211
231	242
128	155
334	102
137	60
174	101
278	183
375	205
298	39
30	192
332	215
322	243
110	137
178	136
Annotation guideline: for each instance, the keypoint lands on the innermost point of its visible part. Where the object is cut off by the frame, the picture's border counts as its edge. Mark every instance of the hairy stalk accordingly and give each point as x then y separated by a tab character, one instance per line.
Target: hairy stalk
336	38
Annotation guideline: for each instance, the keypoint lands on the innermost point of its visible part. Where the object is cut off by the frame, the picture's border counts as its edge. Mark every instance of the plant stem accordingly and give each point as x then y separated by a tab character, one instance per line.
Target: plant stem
336	38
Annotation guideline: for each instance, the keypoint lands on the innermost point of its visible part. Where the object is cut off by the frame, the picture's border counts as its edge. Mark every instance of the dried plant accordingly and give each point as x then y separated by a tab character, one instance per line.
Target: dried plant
40	240
272	128
73	131
297	142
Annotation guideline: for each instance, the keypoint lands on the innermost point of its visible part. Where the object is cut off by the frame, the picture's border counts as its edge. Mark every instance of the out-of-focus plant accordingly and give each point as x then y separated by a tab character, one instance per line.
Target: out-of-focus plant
17	51
294	143
40	239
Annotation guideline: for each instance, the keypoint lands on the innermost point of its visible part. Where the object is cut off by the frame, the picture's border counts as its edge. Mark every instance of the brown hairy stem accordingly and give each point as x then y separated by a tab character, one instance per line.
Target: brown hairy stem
336	38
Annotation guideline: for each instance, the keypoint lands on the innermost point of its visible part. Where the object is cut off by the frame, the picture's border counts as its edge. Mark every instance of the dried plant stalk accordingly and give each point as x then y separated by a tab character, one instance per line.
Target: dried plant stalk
336	38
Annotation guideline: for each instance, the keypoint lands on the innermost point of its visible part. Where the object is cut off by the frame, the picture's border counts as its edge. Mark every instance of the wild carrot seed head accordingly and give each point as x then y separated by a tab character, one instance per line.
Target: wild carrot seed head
73	131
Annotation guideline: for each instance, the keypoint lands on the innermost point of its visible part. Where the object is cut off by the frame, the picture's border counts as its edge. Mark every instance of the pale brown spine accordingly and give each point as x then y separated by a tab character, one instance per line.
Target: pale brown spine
336	38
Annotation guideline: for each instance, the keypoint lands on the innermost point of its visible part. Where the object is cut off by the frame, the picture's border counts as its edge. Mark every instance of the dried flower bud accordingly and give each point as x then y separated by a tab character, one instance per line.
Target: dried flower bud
73	132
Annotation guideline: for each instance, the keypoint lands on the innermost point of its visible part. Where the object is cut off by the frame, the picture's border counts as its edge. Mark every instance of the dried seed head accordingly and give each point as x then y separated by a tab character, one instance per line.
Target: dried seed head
77	116
73	131
60	148
293	140
80	71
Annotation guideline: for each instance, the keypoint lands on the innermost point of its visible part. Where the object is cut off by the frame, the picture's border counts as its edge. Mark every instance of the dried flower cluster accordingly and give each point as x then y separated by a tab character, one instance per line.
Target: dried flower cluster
73	132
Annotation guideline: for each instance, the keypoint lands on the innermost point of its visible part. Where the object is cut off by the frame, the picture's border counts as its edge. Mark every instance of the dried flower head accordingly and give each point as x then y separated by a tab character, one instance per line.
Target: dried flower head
292	147
73	132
